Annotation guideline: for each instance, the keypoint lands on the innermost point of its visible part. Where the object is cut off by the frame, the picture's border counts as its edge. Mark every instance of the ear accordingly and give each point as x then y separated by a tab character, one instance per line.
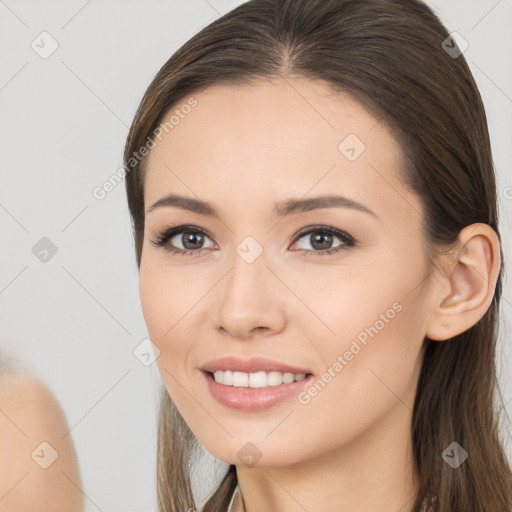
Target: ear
465	288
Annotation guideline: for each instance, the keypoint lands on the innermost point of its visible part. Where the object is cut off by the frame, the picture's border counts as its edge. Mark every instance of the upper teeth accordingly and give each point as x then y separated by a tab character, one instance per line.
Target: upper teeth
255	380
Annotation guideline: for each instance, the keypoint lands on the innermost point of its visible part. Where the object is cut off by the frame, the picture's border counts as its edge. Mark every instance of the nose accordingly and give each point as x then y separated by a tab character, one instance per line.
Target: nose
250	300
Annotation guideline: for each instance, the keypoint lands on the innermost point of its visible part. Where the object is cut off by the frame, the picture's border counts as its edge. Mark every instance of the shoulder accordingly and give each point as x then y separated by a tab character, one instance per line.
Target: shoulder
31	408
38	459
19	390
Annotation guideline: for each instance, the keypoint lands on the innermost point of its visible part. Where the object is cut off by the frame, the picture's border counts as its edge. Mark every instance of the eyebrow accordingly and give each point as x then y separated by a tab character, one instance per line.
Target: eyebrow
283	209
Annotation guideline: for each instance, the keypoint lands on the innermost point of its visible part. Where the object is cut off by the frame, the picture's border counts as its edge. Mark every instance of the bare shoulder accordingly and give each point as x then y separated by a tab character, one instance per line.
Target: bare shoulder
38	465
19	390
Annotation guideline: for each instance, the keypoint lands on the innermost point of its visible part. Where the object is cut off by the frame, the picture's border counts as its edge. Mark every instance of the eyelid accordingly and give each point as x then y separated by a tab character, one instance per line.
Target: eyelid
343	235
348	240
163	237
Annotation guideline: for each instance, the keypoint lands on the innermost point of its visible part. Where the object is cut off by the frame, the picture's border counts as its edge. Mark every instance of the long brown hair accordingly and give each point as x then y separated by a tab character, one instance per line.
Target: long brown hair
394	57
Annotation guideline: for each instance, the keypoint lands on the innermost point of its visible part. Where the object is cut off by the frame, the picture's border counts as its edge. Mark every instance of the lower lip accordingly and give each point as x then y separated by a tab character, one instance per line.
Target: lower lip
252	399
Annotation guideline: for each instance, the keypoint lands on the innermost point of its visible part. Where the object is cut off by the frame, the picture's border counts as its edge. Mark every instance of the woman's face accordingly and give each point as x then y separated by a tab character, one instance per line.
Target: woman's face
257	283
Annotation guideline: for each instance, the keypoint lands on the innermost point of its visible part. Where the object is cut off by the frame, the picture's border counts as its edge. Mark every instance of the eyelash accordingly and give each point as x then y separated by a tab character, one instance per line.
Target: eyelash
163	239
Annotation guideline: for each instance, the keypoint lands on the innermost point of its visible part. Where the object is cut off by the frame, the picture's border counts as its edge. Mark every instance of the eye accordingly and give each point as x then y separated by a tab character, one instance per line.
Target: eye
190	237
320	238
192	240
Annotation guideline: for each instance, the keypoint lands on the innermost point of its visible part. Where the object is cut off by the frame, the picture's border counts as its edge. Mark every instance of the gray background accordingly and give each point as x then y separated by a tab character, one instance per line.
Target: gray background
75	320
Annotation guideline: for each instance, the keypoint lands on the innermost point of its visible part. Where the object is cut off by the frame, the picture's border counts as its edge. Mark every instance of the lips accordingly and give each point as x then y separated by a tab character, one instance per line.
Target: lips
253	365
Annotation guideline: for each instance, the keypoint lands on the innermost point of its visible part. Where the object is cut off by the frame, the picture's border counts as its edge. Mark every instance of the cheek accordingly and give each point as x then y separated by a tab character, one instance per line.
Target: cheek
153	301
163	307
173	303
376	333
167	295
377	360
370	368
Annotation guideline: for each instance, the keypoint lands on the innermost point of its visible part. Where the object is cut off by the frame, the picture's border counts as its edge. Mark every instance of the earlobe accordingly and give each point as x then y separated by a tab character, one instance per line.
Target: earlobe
470	275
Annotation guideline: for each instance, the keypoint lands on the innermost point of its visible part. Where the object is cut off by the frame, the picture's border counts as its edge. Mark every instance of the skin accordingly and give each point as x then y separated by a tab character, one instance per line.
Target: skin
243	148
29	416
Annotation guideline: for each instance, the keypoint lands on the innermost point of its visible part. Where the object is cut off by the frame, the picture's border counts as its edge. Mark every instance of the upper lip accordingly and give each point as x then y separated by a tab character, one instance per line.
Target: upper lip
253	365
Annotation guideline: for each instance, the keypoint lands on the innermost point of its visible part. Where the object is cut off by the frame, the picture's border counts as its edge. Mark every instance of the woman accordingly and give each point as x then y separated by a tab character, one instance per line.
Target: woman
314	210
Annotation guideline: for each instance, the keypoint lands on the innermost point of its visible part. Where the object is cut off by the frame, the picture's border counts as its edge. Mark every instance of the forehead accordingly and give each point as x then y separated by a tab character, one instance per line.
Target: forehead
280	137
